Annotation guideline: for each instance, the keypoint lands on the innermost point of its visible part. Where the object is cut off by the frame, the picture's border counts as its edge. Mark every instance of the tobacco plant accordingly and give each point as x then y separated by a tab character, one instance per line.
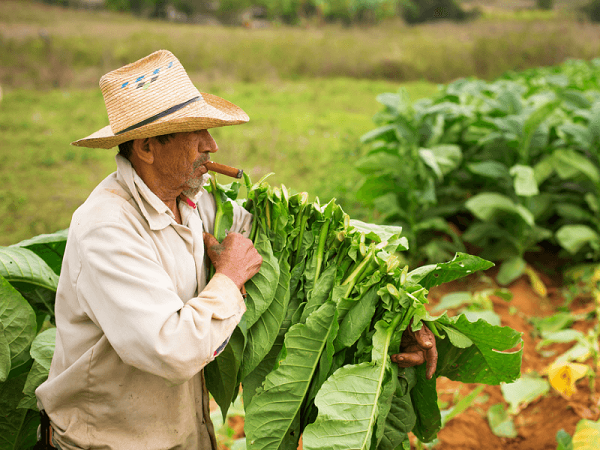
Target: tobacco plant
28	280
514	164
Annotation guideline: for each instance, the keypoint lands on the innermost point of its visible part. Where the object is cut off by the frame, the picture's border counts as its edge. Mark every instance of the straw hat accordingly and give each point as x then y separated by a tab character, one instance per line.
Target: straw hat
155	96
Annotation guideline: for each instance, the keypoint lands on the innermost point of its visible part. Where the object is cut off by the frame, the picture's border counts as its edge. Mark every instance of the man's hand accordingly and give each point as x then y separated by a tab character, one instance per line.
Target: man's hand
235	257
418	347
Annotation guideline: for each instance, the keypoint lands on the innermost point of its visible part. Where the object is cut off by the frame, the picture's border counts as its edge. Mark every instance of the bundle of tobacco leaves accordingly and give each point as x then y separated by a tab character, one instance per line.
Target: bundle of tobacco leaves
324	313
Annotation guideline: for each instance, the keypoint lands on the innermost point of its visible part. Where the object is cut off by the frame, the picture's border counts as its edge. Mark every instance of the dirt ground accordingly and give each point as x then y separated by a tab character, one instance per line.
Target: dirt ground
536	424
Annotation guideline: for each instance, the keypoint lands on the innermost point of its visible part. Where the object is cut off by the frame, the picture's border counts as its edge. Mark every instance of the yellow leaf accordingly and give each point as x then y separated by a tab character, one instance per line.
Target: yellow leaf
536	282
564	375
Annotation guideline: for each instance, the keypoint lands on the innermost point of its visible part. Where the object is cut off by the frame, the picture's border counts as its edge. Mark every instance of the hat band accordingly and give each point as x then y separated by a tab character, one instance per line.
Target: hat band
160	115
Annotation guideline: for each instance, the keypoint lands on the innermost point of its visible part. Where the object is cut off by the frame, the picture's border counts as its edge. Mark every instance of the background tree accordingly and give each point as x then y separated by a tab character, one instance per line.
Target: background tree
418	11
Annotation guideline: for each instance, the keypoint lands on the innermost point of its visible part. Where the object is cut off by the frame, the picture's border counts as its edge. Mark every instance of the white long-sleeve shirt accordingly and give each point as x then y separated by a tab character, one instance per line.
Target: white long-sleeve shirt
136	321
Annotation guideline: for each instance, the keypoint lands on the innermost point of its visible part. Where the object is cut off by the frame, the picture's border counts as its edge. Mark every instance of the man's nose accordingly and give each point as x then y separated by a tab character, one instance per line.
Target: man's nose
207	143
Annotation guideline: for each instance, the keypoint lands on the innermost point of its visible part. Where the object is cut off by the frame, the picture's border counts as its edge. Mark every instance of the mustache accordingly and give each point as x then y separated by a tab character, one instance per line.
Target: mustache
200	162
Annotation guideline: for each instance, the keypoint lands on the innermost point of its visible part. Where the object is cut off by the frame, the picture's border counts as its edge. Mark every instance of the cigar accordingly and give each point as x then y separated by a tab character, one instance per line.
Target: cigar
224	170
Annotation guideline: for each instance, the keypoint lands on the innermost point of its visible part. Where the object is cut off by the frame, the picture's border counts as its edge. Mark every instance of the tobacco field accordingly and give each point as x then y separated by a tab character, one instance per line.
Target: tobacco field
485	226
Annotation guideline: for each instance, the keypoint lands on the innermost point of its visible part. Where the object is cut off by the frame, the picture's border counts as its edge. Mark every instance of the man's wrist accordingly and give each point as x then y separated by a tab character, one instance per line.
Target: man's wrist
233	278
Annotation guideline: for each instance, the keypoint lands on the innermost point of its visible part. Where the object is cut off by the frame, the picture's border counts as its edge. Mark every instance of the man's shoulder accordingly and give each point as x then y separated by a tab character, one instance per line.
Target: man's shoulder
108	203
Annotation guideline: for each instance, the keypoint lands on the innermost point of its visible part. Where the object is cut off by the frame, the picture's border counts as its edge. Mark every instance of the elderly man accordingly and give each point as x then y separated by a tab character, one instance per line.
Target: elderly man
137	319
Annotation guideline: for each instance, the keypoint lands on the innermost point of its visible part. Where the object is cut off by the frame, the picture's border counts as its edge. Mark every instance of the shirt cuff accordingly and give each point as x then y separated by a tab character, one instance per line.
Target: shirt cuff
226	298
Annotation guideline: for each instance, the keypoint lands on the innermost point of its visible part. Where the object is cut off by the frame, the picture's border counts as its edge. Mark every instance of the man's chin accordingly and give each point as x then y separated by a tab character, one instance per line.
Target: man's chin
195	185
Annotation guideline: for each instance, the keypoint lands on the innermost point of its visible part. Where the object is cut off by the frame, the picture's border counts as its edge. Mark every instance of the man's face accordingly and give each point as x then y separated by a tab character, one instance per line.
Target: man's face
181	160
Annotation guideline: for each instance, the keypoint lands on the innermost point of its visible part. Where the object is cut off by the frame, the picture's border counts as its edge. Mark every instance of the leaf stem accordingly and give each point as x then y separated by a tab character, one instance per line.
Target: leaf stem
321	248
354	276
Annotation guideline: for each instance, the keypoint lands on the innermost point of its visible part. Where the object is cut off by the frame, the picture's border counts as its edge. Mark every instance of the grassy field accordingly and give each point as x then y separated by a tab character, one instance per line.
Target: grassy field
310	92
306	132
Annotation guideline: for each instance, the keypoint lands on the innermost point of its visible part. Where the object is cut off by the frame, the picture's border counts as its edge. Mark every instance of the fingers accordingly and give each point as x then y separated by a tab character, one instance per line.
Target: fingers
431	356
210	240
424	337
419	347
408	359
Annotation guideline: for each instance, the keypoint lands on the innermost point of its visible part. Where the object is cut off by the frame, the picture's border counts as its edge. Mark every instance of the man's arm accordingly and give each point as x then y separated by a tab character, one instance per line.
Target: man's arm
125	290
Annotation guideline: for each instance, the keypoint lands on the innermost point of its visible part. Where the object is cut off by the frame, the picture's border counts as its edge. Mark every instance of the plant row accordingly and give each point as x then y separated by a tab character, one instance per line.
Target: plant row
508	166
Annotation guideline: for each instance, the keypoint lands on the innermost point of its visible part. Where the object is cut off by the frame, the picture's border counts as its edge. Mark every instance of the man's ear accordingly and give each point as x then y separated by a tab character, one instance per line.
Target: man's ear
144	150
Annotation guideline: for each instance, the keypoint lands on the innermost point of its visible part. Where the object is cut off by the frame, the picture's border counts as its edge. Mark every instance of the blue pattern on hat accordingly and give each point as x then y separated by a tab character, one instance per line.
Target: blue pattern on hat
146	83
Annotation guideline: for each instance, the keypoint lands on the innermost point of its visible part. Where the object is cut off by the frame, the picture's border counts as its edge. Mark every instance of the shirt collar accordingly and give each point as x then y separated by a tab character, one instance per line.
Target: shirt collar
154	210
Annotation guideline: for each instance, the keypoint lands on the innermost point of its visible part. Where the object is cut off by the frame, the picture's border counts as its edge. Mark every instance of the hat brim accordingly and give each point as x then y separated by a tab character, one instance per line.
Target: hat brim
217	113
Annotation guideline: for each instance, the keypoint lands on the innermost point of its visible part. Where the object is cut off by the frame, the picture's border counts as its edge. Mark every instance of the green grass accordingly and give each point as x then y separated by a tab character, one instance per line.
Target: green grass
306	132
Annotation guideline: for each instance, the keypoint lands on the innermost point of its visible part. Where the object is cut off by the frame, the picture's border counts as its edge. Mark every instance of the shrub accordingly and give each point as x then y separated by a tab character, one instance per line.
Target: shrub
592	10
428	10
545	4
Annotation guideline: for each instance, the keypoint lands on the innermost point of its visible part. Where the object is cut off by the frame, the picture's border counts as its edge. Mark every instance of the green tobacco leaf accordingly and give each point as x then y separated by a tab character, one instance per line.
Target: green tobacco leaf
354	402
487	360
523	391
401	419
456	337
41	299
531	125
487	205
462	405
425	401
489	169
525	183
272	418
262	334
36	376
254	379
356	320
436	274
4	354
348	405
26	269
18	321
500	422
587	435
373	187
385	132
510	270
42	350
49	247
18	427
564	440
453	300
448	157
377	233
577	134
564	159
429	159
574	237
262	286
42	347
378	161
485	314
221	374
320	292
